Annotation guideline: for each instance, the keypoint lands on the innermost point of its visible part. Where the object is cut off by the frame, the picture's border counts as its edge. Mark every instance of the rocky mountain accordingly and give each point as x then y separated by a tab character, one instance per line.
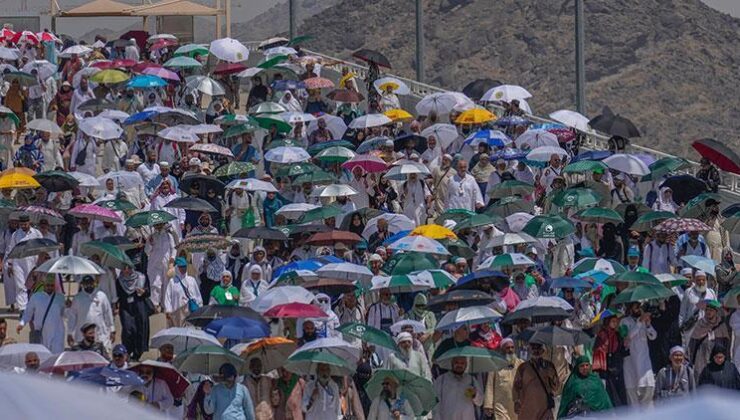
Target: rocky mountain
672	66
275	21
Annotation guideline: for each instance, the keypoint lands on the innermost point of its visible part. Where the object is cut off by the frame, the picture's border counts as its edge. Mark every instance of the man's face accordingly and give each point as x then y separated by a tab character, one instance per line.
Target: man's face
151	157
83	83
32	361
459	364
167	353
146	373
431	142
462	167
26	226
49	287
677	358
461	334
324	372
89	335
382	225
555	161
405	345
700	281
309	328
385	295
255	366
119	359
536	350
350	301
508	348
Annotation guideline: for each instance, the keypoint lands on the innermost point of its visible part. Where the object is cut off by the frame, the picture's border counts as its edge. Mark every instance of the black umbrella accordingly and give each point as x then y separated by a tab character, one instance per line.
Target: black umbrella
420	143
537	314
478	87
614	124
198	185
33	247
495	279
372	56
96	105
121	242
552	335
205	314
458	299
685	187
55	181
307	228
261	232
191	203
731	210
365	213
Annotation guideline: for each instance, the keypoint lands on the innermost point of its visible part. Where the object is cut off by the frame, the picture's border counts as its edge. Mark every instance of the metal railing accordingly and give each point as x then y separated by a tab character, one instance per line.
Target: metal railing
730	182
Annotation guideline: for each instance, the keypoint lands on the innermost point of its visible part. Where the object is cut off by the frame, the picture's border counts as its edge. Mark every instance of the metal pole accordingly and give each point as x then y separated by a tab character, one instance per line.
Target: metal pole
580	61
292	12
419	41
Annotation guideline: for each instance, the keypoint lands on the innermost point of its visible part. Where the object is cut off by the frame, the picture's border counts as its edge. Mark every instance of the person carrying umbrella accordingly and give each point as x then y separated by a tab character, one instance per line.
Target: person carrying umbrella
228	400
499	400
536	384
18	269
389	405
408	358
91	307
155	391
709	174
458	393
44	312
29	155
583	392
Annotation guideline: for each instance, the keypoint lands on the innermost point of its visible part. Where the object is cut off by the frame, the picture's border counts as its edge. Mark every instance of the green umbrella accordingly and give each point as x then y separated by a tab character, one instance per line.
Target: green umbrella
549	227
318	147
731	298
640	207
119	204
651	219
320	213
509	205
234	170
305	362
510	260
110	255
458	248
477	220
479	359
368	334
600	264
183	62
234	119
335	154
696	207
272	62
407	262
635	277
296	169
206	359
284	143
598	215
576	197
318	177
191	50
441	278
456	215
664	166
300	39
267	121
267	108
732	224
643	292
584	166
55	181
7	112
418	390
25	79
295	277
146	218
509	188
239	129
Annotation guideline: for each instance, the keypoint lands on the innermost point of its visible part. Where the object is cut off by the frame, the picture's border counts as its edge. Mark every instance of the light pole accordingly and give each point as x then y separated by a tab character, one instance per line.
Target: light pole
291	12
419	41
580	61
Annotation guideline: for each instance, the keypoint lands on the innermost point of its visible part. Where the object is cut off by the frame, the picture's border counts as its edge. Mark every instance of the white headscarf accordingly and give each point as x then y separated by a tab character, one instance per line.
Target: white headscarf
664	204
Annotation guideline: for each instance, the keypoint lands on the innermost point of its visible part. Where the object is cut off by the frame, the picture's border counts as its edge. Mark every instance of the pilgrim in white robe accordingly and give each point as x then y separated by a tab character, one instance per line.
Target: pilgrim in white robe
414	194
638	371
161	250
176	298
326	405
91	307
463	193
53	329
452	393
15	279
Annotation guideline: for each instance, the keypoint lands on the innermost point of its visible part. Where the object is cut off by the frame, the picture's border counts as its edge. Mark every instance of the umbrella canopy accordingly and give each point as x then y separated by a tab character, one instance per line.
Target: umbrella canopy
402	169
475	116
332	345
206	359
94	212
205	314
287	155
191	203
651	219
261	232
335	154
148	218
478	87
467	316
368	163
237	328
45	126
178	134
305	363
408	262
439	279
182	338
493	138
475	280
570	283
510	188
510	260
183	62
697	207
685	187
272	351
584	166
369	121
642	293
633	277
718	153
507	206
107	376
678	225
444	133
418	390
109	76
69	361
372	56
731	299
505	93
543	153
345	271
458	299
540	309
14	354
421	244
732	224
280	296
433	232
509	239
203	183
479	359
335	190
31	247
101	128
552	335
201	243
402	283
572	119
615	125
252	184
110	255
18	181
230	50
700	263
296	310
549	227
599	264
534	138
628	164
368	334
332	237
69	264
599	215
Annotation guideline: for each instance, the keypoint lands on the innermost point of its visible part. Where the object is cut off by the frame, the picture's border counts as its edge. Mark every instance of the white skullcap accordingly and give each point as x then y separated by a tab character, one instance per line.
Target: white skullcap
700	273
675	349
404	336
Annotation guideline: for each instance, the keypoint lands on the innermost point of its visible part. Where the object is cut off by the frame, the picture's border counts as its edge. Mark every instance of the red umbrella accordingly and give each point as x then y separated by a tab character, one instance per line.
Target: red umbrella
372	56
718	153
166	372
143	65
47	36
139	36
229	68
25	36
6	33
295	310
334	236
318	83
680	224
123	63
102	64
162	43
346	96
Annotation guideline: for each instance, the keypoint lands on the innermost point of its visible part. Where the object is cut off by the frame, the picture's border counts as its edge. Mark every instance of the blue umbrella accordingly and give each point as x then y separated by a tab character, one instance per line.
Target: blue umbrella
108	376
146	81
393	238
510	154
493	138
139	117
704	264
546	126
474	280
597	275
372	144
238	328
570	283
287	85
311	264
592	155
511	121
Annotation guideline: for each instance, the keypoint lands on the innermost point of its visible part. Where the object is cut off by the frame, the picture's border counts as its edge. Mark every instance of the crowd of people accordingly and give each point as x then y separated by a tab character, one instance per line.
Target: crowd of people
323	253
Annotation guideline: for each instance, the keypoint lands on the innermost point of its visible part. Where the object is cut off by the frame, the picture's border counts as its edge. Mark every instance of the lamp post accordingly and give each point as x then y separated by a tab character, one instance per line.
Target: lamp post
419	41
580	61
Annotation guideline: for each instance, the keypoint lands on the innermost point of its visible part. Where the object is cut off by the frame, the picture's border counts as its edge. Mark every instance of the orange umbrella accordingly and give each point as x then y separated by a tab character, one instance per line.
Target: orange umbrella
434	232
398	114
272	351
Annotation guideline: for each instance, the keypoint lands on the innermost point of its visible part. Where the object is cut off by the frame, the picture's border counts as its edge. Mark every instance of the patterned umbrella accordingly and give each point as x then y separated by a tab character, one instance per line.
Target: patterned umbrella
37	213
200	243
272	351
318	83
234	170
679	224
421	244
94	212
368	334
148	218
211	148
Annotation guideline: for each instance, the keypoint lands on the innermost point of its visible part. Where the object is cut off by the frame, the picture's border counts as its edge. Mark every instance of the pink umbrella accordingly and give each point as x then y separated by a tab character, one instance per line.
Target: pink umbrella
565	135
70	361
211	148
318	83
93	211
679	224
6	33
162	43
161	72
166	372
295	310
368	163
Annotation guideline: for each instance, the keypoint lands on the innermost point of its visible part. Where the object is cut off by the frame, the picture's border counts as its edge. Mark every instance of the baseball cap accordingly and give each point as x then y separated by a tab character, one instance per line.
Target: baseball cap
181	262
119	349
633	252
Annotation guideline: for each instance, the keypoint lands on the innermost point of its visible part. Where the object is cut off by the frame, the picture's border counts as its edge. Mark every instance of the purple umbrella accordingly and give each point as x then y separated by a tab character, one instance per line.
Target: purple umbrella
162	72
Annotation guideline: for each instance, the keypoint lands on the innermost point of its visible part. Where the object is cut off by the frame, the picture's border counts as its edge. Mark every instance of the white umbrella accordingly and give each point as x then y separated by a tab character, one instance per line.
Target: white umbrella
114	114
532	139
345	271
297	117
463	103
333	123
205	84
295	210
418	243
14	355
334	190
87	72
627	163
281	295
8	67
437	103
287	154
182	338
543	154
418	327
86	180
334	345
571	119
46	126
44	68
75	49
400	170
544	302
10	54
179	134
161	36
369	121
229	49
444	133
206	129
600	265
470	315
69	264
516	221
274	40
101	128
396	223
123	179
508	239
506	93
252	184
400	87
403	283
280	51
524	106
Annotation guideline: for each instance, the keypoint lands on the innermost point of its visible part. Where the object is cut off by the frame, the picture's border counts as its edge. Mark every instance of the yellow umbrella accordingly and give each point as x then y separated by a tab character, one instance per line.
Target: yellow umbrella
475	116
434	232
20	170
344	79
398	114
18	180
109	76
